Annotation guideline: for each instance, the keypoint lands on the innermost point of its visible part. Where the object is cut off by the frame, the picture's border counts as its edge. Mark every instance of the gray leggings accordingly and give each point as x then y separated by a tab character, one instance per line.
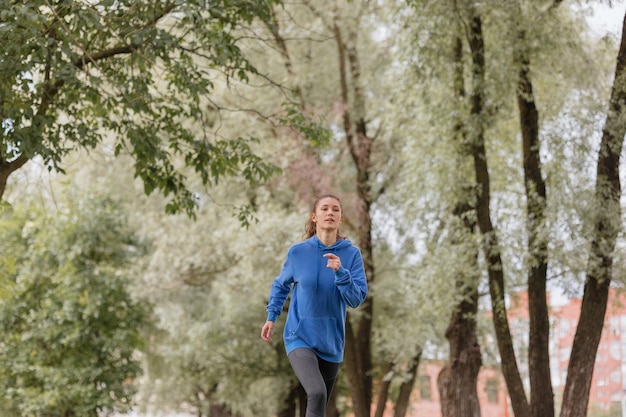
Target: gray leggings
316	376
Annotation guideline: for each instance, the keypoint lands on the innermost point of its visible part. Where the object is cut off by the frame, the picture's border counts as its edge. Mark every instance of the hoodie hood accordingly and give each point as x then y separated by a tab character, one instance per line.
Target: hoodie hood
340	243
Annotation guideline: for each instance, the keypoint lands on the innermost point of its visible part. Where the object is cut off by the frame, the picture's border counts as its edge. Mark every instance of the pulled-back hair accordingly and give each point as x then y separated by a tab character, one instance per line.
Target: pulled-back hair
310	227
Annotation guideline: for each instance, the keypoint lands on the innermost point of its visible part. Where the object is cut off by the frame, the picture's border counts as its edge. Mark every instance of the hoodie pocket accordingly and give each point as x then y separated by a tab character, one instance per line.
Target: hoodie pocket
324	334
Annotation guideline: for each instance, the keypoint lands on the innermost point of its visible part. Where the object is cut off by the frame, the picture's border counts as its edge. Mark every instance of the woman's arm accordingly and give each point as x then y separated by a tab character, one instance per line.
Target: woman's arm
351	282
281	287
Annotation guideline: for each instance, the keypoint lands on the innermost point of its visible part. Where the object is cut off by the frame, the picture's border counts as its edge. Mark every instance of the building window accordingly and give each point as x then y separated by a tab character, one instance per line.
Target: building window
491	388
564	328
614	350
425	387
616	375
616	397
622	324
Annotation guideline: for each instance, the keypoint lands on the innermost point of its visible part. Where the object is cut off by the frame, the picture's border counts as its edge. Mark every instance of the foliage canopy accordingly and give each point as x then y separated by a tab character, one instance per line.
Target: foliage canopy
74	72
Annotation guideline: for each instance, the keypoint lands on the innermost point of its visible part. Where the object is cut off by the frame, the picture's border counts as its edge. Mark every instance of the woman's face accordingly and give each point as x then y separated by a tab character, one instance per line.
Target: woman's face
328	215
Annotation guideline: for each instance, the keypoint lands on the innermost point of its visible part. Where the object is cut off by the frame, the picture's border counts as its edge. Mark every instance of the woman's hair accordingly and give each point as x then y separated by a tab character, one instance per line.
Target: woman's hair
310	227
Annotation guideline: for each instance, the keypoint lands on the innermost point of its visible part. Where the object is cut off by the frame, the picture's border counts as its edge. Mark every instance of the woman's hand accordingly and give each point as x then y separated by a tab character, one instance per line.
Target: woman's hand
334	262
266	331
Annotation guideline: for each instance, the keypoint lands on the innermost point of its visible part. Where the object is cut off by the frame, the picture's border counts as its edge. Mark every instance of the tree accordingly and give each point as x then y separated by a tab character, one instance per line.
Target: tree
349	62
491	245
541	400
598	279
365	145
75	72
458	378
210	280
541	392
441	187
198	272
606	226
71	331
514	50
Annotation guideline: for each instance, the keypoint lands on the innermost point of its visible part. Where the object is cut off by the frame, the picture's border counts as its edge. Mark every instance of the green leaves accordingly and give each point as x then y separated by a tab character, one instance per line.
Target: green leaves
69	327
313	130
75	73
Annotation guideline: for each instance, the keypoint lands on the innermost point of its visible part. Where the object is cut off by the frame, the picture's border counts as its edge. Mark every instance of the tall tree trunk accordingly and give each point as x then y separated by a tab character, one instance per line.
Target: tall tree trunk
220	410
383	390
358	356
458	378
215	408
607	223
541	394
406	388
490	240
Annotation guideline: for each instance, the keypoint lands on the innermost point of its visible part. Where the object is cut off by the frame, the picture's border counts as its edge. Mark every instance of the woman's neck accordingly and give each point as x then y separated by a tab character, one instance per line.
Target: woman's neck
328	238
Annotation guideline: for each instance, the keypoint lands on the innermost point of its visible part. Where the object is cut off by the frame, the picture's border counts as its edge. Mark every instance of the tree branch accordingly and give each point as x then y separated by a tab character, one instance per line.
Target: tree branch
6	168
52	89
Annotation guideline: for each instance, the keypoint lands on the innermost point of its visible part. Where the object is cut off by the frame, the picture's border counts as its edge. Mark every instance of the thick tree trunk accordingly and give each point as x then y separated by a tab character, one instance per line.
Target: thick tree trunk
359	367
406	388
541	394
220	410
457	380
383	390
215	408
358	356
7	168
4	177
490	240
607	223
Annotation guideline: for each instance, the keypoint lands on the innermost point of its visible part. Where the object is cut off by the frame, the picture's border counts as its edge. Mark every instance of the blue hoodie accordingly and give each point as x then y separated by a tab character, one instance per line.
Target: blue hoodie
317	311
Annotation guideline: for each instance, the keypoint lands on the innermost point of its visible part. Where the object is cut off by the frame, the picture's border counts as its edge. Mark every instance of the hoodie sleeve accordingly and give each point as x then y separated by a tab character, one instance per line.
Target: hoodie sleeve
280	290
351	282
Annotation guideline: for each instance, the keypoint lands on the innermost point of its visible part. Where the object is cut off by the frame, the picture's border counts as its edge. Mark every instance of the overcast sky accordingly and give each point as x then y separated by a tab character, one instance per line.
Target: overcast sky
609	19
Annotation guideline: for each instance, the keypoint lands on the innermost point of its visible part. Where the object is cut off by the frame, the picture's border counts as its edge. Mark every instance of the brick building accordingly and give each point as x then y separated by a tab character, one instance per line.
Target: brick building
608	385
608	388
